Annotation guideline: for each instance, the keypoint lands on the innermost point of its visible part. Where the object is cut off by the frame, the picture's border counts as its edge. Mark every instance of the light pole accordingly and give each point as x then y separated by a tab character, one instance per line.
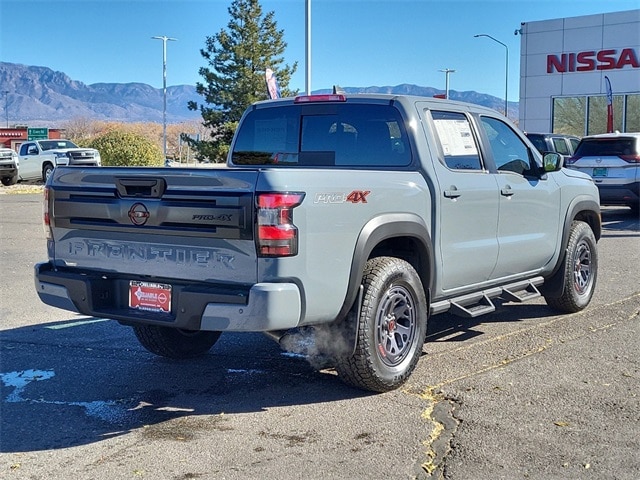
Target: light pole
164	92
307	82
6	105
506	70
447	71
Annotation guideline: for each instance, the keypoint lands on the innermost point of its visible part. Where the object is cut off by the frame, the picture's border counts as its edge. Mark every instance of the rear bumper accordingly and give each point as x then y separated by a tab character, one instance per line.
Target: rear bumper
256	308
627	194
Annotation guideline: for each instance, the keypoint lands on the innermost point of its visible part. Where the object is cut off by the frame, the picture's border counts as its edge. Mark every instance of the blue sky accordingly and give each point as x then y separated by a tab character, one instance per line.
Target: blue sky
354	43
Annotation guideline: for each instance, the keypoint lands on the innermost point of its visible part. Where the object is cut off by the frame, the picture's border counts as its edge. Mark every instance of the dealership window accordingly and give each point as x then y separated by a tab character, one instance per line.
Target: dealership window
588	115
632	117
597	121
569	115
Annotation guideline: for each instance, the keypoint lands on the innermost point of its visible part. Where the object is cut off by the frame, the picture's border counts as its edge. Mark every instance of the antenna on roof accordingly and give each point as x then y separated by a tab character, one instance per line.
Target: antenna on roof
337	89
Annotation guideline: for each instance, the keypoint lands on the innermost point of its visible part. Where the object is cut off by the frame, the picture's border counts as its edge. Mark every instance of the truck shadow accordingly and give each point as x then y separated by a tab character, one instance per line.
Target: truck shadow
620	219
60	387
78	382
451	328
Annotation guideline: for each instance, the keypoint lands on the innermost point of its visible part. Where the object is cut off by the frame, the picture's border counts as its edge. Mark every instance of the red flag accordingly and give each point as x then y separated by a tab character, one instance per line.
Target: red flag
609	105
273	89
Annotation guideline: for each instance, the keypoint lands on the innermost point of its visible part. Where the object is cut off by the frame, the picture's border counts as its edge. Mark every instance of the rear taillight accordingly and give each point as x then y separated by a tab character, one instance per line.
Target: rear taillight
571	160
331	97
630	158
45	215
277	235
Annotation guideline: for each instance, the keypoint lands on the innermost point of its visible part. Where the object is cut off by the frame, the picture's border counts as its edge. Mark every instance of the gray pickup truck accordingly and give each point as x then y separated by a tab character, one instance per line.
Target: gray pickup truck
350	220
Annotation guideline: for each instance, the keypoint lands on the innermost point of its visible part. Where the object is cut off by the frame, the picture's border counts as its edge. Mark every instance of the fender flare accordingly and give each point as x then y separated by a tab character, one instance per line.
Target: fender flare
379	229
584	209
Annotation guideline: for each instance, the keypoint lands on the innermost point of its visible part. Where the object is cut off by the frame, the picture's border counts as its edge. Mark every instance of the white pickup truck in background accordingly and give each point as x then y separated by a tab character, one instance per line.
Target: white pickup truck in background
38	158
8	166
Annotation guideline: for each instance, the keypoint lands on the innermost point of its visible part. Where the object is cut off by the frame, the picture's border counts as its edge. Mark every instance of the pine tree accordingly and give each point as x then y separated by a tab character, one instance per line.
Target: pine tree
235	76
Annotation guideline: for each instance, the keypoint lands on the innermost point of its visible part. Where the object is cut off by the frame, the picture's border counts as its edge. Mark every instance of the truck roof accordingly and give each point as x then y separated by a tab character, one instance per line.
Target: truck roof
373	98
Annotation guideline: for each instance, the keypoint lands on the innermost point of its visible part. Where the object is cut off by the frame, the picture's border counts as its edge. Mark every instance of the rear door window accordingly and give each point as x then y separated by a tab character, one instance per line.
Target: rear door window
350	135
457	141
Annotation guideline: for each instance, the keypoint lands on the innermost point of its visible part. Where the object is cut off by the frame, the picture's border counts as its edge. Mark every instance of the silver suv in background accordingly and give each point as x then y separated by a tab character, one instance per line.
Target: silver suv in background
565	145
613	161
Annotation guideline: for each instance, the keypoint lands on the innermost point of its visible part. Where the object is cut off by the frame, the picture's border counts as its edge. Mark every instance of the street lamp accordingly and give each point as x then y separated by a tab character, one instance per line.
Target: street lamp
447	71
6	105
506	70
307	36
164	91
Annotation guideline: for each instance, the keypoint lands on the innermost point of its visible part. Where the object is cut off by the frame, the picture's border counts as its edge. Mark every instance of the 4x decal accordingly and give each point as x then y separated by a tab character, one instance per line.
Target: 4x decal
356	196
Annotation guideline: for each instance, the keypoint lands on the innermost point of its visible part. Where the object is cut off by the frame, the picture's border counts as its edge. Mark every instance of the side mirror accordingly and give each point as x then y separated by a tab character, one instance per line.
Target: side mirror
552	162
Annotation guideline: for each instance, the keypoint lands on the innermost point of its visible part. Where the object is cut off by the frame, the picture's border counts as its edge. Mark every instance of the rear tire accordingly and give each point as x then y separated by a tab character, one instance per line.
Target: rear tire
47	169
579	270
173	342
391	329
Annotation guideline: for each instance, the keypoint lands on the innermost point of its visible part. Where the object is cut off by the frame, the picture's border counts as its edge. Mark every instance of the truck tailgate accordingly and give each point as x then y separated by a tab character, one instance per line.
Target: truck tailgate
187	224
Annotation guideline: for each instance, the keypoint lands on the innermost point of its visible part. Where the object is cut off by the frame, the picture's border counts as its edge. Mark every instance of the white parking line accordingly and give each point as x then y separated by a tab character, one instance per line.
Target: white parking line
76	324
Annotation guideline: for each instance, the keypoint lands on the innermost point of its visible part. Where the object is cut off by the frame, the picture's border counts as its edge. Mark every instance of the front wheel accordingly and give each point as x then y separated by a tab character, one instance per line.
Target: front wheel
578	272
173	342
8	181
391	328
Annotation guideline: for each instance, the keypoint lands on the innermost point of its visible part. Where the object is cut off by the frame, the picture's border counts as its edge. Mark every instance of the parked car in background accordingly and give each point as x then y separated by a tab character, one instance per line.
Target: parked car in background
613	161
8	166
565	145
38	158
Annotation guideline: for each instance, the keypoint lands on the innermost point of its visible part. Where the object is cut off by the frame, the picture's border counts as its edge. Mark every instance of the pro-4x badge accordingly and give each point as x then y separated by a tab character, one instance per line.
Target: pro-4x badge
356	196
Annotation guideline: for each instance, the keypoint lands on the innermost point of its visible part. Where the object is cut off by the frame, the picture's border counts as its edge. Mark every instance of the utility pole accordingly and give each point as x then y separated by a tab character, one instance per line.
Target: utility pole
164	92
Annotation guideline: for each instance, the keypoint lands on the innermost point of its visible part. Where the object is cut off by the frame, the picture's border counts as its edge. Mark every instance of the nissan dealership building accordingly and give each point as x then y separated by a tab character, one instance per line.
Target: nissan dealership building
572	68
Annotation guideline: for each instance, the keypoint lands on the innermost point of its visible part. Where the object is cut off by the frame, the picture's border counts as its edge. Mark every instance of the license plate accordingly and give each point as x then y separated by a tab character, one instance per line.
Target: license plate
600	172
153	297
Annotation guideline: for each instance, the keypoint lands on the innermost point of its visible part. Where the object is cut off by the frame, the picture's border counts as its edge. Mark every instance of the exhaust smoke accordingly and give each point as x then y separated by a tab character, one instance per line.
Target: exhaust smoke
321	345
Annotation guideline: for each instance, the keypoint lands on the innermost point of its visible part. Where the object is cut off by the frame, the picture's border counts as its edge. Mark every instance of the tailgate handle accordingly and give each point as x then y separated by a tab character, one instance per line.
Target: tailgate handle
141	187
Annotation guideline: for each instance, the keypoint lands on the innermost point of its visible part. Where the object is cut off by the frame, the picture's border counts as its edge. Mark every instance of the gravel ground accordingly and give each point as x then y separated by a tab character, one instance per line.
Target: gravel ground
26	187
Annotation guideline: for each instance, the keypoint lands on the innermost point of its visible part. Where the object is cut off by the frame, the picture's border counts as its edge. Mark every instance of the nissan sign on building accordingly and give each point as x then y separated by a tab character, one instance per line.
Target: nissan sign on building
571	69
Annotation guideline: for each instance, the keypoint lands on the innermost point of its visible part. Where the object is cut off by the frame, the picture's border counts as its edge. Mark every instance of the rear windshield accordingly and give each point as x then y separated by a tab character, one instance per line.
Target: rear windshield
606	147
53	144
538	142
323	135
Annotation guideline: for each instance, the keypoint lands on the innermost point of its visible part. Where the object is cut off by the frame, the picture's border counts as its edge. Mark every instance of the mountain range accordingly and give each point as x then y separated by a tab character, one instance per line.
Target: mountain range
39	96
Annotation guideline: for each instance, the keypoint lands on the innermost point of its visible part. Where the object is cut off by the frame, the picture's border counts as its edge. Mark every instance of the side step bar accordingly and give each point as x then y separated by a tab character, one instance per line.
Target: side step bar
476	304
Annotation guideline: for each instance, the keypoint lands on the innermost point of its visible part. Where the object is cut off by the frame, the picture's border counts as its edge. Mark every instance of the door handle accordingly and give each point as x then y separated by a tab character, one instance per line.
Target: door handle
507	191
452	193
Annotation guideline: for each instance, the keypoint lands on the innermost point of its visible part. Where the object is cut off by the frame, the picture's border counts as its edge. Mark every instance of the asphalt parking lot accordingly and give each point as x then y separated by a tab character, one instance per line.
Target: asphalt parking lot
520	393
